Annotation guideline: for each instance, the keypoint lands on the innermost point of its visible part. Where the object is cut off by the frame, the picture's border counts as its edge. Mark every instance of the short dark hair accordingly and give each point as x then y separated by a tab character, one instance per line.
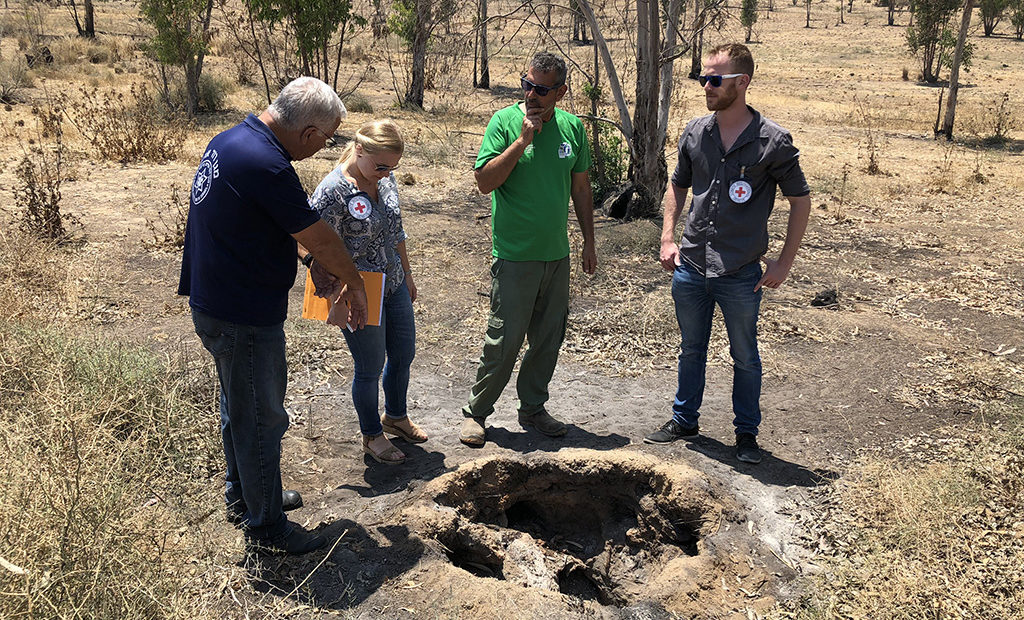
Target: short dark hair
739	56
547	62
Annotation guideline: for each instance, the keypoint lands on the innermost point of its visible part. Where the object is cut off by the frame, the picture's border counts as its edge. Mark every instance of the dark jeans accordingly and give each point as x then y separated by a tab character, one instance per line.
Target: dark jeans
389	348
695	297
251	369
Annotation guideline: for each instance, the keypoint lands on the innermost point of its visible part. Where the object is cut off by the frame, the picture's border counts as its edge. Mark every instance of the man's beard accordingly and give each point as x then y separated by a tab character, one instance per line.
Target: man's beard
723	100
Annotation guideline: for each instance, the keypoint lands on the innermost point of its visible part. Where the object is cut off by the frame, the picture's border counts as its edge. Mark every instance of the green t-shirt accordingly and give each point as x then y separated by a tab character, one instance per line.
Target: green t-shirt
530	210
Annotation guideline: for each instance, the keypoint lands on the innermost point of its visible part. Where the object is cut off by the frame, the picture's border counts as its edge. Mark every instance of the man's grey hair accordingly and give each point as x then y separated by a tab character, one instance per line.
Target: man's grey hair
307	101
547	62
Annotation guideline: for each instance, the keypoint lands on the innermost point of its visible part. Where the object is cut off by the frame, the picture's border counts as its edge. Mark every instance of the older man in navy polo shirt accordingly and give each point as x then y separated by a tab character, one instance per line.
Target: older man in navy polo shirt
247	210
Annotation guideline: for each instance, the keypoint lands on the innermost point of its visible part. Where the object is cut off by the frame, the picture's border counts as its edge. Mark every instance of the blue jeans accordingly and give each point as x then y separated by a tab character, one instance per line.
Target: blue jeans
695	297
251	369
389	348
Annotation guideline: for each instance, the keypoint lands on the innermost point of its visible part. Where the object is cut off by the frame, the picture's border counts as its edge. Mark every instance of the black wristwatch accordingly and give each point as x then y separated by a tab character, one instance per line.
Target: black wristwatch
307	260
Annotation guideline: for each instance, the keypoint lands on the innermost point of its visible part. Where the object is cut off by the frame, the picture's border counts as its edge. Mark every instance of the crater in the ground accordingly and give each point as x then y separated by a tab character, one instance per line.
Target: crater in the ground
585	524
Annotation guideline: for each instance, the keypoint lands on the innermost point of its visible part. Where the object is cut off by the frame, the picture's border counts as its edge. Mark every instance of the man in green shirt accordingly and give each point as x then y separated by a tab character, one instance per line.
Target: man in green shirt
533	157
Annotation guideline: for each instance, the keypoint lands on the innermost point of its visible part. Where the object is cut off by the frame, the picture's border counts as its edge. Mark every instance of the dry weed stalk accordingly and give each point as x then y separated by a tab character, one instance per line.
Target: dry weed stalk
41	172
126	127
168	229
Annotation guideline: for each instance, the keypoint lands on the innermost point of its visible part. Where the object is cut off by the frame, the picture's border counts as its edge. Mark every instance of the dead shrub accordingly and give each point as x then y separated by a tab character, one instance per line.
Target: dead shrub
126	127
40	174
168	229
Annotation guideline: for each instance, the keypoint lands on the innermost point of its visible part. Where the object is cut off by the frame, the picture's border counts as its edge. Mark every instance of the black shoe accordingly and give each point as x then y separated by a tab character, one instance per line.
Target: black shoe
295	542
746	448
290	500
671	431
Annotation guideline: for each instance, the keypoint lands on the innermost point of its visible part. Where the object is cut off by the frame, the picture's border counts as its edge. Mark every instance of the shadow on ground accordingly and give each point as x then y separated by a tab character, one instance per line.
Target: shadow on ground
524	441
351	568
385	479
772	470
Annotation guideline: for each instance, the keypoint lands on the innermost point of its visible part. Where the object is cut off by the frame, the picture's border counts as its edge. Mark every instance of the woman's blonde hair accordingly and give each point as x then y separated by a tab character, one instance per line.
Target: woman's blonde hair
376	137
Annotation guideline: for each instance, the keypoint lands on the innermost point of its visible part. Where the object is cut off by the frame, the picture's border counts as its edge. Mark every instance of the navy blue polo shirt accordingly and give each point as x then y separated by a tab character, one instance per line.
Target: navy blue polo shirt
239	257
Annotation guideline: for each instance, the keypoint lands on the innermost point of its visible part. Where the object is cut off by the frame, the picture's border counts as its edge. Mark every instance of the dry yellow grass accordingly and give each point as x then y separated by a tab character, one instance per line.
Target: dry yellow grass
109	451
930	529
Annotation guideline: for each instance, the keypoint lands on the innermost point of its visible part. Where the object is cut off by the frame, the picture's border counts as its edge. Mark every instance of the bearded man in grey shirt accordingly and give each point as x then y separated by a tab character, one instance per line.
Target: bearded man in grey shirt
734	159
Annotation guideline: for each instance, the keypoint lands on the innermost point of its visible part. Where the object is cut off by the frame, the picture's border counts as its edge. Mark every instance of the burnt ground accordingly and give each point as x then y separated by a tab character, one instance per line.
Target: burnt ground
924	261
901	353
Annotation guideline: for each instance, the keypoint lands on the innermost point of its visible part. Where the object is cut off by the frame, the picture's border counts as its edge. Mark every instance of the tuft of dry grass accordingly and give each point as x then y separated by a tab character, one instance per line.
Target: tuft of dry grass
109	454
932	531
109	451
32	273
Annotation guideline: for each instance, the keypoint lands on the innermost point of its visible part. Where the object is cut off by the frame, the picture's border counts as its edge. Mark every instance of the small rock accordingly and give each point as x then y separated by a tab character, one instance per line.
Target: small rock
827	297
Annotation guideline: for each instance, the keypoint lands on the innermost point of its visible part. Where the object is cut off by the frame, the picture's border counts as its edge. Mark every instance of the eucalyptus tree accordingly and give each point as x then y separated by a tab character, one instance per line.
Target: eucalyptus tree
991	14
931	37
182	36
657	47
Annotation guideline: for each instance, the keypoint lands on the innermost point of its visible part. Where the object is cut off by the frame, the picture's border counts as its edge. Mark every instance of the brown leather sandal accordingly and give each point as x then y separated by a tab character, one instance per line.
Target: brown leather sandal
414	434
388	456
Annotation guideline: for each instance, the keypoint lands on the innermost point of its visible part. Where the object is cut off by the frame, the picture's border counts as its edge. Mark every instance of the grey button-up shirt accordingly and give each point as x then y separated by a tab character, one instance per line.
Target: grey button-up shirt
721	235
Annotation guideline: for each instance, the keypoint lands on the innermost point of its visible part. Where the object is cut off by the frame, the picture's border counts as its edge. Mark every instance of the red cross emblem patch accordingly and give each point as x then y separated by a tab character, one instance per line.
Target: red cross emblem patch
359	207
740	191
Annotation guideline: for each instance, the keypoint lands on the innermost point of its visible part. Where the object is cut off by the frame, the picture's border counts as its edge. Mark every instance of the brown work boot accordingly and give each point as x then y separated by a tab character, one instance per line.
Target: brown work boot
473	432
543	422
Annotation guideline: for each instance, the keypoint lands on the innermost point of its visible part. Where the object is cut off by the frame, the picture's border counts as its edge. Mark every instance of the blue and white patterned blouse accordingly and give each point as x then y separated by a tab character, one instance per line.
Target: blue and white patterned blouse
371	229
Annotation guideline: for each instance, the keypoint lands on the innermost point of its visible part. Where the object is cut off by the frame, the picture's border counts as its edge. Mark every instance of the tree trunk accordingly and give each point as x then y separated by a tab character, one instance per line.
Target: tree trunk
697	39
807	3
194	68
414	96
954	74
259	53
341	47
928	70
90	23
675	7
648	170
485	71
626	125
596	140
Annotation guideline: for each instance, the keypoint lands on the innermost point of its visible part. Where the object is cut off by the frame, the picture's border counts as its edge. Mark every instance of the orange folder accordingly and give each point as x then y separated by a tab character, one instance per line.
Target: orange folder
316	308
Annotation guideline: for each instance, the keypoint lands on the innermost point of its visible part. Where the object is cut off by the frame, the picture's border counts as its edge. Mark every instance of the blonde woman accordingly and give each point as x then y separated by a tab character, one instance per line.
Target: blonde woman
359	199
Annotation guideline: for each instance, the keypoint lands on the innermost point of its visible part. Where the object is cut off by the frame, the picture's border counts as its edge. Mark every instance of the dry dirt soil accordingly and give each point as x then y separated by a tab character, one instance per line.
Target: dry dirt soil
924	258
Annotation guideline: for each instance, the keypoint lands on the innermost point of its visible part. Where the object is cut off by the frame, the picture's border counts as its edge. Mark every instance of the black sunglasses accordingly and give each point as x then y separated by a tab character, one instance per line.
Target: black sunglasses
538	89
716	80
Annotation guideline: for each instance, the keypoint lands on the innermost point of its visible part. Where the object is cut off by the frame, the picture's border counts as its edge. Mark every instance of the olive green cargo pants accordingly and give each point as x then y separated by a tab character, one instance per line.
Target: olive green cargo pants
529	300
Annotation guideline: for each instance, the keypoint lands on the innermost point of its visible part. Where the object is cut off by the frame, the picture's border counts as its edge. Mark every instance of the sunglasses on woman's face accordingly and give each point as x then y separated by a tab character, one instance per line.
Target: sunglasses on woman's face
716	80
384	168
538	89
